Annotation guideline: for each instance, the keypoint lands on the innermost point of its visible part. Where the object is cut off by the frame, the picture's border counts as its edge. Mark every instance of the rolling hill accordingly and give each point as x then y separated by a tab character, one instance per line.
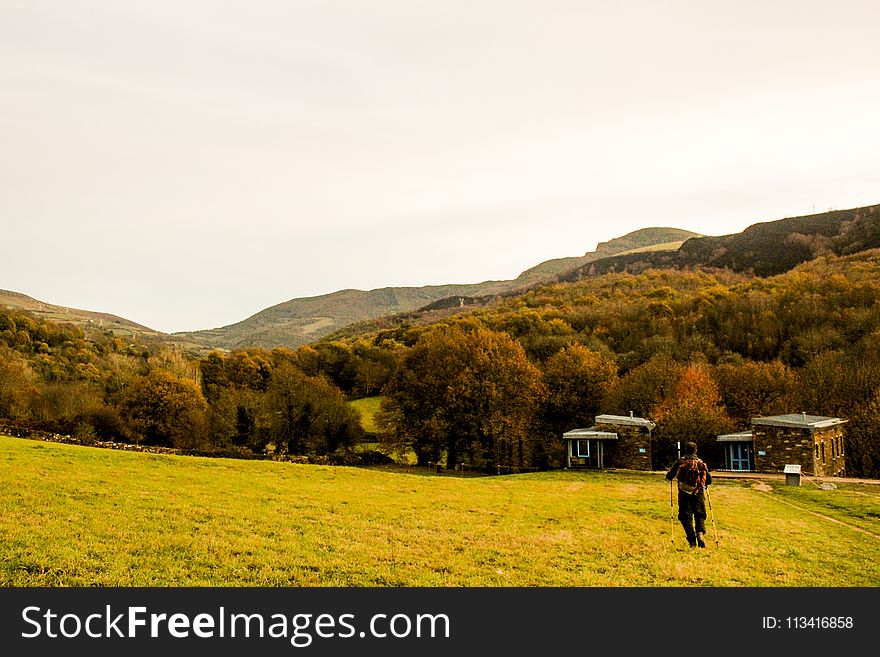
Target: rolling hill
661	239
298	321
88	320
763	249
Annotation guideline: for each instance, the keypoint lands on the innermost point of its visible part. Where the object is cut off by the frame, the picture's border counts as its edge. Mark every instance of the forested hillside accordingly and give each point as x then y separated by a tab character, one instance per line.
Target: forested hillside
90	321
699	351
55	378
764	249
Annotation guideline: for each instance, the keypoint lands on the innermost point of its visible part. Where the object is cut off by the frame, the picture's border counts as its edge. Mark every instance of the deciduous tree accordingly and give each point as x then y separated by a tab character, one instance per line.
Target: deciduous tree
163	409
693	412
752	389
578	382
18	387
468	393
308	415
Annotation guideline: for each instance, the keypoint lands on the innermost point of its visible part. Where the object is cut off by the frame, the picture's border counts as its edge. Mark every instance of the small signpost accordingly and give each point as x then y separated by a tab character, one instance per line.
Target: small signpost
792	475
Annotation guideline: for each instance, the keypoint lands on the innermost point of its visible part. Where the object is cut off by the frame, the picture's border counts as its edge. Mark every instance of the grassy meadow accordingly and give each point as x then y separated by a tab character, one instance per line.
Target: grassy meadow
367	407
79	516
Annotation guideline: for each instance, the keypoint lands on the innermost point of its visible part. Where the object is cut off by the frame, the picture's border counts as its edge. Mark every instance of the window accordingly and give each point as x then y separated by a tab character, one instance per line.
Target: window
823	452
581	448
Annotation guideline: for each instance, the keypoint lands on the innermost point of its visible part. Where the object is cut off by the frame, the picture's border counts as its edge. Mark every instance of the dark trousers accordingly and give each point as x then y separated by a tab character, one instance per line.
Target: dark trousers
692	514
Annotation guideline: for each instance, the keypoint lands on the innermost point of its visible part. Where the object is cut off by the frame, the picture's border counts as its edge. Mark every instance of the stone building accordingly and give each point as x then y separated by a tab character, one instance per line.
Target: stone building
814	442
616	441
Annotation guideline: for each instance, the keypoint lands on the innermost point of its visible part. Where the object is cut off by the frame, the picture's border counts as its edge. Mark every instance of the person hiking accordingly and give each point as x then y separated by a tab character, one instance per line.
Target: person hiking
692	476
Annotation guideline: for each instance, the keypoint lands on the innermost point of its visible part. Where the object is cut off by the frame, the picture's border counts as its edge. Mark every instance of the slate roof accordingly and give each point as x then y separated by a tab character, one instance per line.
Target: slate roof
738	437
799	421
587	434
625	420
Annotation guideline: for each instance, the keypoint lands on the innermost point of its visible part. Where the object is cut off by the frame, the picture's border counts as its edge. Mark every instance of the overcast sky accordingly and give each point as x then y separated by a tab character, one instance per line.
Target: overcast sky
186	164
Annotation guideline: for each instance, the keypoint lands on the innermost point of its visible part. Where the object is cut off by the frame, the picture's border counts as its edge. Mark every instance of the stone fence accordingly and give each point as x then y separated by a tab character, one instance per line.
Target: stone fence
340	458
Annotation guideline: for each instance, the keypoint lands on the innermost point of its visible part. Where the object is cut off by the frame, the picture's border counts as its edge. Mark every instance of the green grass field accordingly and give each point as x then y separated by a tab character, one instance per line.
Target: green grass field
367	407
79	516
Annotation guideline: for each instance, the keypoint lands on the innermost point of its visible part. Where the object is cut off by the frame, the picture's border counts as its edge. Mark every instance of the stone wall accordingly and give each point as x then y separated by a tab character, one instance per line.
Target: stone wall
831	461
791	445
344	457
625	451
782	446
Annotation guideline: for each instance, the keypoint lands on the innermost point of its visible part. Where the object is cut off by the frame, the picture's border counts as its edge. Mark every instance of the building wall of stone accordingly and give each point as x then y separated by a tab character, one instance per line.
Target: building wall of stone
831	461
776	447
625	451
783	446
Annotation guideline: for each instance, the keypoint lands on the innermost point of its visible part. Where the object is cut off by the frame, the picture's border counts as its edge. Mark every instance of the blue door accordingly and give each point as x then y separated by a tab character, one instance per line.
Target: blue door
739	456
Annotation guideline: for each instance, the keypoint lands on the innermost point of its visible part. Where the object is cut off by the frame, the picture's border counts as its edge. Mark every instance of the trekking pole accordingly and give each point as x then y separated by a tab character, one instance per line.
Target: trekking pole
671	516
712	513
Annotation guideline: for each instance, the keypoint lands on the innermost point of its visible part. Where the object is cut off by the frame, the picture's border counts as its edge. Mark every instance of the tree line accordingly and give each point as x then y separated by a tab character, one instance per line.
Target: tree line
55	378
699	352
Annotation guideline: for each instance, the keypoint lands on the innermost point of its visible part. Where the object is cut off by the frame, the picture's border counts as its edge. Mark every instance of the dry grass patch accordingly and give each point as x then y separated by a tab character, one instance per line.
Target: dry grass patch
76	516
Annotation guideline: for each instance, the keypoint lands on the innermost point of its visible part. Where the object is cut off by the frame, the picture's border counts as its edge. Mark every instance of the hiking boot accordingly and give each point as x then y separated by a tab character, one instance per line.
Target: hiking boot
700	540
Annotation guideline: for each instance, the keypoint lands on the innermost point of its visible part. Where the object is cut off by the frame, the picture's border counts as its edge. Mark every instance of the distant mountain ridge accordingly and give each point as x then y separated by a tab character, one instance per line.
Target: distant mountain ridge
88	320
668	238
763	249
299	321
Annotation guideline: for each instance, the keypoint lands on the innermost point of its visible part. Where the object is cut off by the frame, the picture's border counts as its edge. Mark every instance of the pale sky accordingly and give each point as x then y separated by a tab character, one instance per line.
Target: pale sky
186	164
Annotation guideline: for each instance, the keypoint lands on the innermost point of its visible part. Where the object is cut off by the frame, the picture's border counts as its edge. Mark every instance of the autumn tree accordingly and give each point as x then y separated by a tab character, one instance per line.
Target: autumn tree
177	362
862	443
373	366
578	382
846	385
163	409
213	374
751	389
70	408
18	387
308	415
693	412
119	372
643	388
334	360
235	418
469	394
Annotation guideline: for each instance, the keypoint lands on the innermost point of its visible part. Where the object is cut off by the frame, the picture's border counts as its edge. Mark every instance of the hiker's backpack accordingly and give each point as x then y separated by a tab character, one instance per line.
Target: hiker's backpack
691	476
